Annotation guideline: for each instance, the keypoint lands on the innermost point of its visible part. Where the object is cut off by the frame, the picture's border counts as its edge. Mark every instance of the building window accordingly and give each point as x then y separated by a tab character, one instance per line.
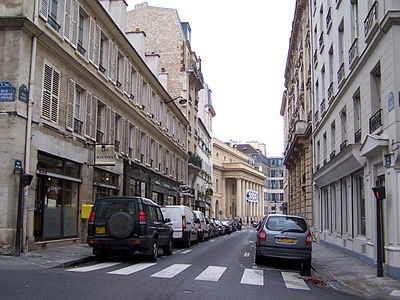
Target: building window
50	92
78	110
83	23
103	56
360	203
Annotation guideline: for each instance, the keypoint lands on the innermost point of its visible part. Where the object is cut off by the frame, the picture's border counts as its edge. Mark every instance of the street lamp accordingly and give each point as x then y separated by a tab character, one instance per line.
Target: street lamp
181	100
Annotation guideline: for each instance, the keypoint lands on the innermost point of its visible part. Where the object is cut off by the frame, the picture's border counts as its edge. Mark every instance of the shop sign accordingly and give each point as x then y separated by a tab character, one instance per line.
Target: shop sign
209	192
7	92
105	155
251	196
23	93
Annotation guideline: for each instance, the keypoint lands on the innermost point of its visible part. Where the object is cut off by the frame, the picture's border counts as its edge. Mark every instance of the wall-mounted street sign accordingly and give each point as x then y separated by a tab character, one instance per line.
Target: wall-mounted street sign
23	93
18	165
105	155
7	91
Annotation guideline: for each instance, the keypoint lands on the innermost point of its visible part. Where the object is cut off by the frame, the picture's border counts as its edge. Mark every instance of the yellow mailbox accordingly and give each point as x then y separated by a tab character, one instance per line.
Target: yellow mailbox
85	211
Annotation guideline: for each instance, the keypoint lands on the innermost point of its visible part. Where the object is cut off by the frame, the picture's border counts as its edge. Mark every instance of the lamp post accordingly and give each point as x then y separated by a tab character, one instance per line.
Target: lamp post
181	100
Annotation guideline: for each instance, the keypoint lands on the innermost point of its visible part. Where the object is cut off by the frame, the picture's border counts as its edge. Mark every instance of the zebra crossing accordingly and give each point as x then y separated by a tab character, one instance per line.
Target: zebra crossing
254	277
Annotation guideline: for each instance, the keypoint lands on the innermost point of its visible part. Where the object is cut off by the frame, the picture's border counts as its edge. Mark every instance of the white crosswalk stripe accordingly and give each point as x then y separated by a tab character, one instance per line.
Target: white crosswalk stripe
93	268
294	281
132	269
253	277
212	273
171	271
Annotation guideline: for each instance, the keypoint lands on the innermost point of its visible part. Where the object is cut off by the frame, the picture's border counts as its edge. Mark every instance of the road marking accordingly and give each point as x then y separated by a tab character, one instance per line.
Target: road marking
132	269
171	271
186	251
93	268
212	240
294	281
177	251
253	277
395	293
251	242
212	273
246	254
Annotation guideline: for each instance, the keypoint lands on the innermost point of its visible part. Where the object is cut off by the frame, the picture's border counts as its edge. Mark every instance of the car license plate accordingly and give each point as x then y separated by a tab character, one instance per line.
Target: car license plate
286	241
100	229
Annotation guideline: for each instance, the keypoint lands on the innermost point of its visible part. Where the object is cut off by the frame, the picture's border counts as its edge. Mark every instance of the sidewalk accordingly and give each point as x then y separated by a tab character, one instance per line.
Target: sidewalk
350	275
337	269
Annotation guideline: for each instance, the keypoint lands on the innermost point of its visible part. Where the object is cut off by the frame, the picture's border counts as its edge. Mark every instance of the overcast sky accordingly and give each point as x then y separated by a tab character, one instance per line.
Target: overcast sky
243	46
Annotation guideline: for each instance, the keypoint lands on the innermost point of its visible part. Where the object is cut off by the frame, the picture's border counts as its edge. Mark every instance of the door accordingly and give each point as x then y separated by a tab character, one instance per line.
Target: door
56	208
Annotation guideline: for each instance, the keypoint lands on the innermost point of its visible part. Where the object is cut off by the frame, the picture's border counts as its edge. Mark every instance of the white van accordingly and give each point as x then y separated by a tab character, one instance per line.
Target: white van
202	225
182	222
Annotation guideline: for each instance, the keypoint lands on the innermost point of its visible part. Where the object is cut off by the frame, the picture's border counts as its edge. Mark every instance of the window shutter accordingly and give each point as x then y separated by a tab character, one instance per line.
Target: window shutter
112	127
156	155
55	96
67	20
148	152
107	113
88	118
110	59
44	9
123	134
70	105
91	40
124	76
46	94
93	128
97	42
129	79
115	61
137	143
74	23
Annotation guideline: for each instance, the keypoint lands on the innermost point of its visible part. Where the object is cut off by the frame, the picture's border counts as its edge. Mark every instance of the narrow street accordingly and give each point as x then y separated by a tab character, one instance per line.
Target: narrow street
222	268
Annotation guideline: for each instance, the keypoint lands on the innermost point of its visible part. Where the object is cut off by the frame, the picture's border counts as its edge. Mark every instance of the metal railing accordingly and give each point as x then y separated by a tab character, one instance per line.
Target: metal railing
375	121
357	136
116	145
353	52
78	126
371	18
53	23
340	74
343	145
332	155
322	107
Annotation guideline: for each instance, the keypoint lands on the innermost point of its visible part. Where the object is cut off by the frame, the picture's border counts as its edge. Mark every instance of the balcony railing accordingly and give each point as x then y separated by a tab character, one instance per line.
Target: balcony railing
343	145
325	161
375	121
340	74
353	52
78	126
102	69
316	117
322	107
116	145
357	136
53	23
99	137
315	59
195	159
330	92
329	19
371	19
321	41
332	155
309	117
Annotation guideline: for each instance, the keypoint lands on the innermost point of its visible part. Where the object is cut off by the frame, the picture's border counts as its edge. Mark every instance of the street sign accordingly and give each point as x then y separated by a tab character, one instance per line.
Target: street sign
18	165
23	93
7	91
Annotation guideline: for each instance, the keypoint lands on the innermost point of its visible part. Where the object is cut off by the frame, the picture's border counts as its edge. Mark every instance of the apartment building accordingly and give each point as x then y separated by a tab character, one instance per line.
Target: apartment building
296	108
170	38
238	186
81	111
356	127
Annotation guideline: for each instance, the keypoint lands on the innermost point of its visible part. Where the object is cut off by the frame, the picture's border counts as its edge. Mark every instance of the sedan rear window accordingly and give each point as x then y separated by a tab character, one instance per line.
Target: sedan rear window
107	208
289	224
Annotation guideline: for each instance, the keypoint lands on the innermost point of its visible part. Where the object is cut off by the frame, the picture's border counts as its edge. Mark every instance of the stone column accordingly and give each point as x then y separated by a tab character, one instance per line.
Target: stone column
238	198
222	205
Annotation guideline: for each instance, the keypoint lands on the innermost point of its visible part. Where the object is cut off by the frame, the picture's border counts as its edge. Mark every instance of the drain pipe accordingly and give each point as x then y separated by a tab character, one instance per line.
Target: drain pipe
31	102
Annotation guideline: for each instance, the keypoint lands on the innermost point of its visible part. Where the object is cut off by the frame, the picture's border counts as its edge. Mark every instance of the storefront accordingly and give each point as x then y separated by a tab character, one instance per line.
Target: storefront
105	184
139	181
57	198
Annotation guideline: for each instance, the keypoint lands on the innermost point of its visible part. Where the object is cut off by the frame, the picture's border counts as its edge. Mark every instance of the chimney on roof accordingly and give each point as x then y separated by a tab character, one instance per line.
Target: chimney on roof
117	10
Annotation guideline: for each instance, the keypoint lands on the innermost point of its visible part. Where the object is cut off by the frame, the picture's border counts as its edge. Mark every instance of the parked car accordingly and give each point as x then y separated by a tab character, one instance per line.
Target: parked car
182	220
201	225
284	236
238	224
227	226
128	224
213	228
220	227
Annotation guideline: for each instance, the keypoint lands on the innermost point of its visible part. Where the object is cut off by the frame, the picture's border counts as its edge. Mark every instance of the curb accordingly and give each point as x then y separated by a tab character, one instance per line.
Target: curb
74	262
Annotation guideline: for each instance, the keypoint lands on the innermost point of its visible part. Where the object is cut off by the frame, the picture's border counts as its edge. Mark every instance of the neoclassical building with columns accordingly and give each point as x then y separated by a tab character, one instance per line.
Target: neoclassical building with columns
238	186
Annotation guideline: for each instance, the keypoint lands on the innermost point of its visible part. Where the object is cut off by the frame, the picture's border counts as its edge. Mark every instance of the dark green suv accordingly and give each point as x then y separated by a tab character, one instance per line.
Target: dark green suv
128	224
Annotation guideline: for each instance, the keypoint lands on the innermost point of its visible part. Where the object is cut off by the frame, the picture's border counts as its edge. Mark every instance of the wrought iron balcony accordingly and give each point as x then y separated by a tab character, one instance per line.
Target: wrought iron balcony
375	121
116	145
325	161
371	19
329	19
357	136
340	74
316	117
80	49
332	155
353	52
322	107
343	145
309	117
330	92
321	41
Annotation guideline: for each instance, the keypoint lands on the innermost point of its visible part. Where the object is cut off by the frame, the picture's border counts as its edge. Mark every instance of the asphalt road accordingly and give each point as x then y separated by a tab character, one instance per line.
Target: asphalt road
222	268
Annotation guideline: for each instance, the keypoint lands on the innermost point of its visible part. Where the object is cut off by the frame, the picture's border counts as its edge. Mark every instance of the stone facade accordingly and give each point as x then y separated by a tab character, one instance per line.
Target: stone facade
297	111
235	182
86	87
